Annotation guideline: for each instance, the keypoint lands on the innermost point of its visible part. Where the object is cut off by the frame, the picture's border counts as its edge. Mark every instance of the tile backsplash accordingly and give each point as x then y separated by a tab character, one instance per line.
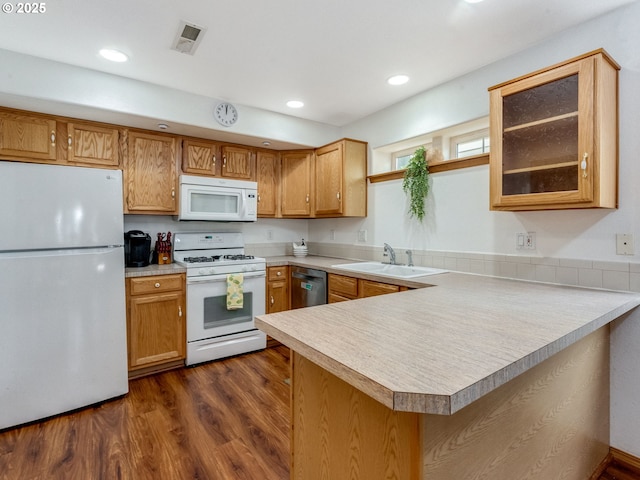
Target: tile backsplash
566	271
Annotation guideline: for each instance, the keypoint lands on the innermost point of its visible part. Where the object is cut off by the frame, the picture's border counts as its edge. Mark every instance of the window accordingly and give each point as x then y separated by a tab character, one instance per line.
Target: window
401	159
473	143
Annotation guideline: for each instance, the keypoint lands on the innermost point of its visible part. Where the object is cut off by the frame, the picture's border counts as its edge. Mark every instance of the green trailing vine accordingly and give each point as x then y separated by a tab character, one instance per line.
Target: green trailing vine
416	182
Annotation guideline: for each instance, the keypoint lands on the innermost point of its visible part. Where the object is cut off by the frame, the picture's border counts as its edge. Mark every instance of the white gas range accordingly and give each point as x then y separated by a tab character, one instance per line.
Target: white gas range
214	331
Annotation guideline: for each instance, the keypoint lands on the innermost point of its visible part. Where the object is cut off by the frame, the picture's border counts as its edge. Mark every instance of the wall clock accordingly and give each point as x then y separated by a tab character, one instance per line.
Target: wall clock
226	114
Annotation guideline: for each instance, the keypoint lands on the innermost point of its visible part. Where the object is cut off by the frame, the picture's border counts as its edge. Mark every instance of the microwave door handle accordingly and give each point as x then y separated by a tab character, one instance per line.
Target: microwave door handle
243	202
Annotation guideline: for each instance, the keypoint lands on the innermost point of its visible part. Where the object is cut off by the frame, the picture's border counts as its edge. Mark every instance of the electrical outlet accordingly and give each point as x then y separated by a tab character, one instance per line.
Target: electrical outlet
362	236
526	241
530	241
332	234
624	244
269	234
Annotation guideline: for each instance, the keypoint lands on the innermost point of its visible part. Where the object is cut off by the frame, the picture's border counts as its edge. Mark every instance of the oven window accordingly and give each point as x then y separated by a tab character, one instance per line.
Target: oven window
214	203
217	315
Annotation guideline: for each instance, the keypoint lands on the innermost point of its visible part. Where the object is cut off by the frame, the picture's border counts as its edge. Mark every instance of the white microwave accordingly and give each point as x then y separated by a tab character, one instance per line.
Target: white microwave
217	199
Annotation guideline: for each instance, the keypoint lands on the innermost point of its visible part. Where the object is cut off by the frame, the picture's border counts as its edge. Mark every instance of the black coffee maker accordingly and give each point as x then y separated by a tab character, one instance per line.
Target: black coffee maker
137	248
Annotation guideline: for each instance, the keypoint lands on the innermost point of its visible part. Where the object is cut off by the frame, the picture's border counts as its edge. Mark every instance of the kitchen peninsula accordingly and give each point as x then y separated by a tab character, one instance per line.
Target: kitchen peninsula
473	377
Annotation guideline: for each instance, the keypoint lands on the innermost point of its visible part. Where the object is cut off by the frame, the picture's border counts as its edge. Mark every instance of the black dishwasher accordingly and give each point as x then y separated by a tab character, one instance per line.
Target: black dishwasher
308	287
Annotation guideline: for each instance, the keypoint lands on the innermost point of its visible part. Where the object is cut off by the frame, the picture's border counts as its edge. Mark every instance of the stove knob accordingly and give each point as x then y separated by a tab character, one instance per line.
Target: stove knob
202	271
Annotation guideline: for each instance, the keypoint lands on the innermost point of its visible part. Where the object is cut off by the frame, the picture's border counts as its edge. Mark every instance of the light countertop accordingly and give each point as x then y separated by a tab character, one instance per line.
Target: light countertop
436	350
154	270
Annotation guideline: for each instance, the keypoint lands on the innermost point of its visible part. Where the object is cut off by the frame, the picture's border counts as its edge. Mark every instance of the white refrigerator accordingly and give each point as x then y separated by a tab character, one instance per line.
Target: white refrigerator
62	299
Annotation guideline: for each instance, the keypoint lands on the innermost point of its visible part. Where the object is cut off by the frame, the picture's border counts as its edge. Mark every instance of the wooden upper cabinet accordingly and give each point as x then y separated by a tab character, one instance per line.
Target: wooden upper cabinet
95	145
238	162
268	173
341	179
554	137
199	157
296	183
151	174
27	137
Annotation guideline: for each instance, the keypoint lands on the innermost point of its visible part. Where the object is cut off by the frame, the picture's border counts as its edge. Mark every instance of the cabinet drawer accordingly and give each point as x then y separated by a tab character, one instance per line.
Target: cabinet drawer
160	283
372	289
277	273
347	286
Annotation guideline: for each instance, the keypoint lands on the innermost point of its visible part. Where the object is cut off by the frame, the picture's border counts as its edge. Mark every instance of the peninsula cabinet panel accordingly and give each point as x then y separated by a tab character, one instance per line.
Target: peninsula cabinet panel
27	137
93	145
199	157
151	174
554	137
268	174
238	162
341	179
296	183
551	422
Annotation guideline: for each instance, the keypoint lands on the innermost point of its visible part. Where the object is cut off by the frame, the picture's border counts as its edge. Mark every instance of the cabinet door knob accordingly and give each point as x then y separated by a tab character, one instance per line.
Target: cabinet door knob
583	164
53	138
258	198
307	198
180	310
214	161
278	273
338	195
224	161
173	193
272	300
157	285
70	140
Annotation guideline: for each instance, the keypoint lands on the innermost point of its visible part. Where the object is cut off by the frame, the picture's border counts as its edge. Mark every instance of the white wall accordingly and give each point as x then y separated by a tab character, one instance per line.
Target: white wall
460	218
46	86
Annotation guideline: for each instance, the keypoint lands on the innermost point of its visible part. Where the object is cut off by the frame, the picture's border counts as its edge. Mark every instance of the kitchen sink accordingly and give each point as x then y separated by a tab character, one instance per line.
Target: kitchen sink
397	271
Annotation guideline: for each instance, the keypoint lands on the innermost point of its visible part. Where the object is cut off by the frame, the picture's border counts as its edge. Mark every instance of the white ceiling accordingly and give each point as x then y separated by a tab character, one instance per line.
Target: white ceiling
335	55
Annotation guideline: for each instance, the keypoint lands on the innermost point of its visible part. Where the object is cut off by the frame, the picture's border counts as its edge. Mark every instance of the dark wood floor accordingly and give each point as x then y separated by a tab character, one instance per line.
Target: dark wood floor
222	420
619	471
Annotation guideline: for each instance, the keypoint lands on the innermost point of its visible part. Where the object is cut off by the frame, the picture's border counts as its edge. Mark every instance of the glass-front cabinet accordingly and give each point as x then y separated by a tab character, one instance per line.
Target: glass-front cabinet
554	137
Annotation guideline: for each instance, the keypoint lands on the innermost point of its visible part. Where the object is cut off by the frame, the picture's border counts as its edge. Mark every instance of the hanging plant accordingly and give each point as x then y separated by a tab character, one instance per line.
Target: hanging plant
416	182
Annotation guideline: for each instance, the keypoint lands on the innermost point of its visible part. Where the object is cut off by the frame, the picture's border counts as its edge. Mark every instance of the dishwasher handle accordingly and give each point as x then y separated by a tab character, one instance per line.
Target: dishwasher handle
302	276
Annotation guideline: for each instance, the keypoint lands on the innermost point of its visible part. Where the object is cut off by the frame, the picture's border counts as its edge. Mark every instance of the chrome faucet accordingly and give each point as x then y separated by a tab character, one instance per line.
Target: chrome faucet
390	252
409	258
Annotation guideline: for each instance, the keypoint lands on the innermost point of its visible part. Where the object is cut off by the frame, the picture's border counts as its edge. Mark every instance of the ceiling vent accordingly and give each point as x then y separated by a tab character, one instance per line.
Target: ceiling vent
188	38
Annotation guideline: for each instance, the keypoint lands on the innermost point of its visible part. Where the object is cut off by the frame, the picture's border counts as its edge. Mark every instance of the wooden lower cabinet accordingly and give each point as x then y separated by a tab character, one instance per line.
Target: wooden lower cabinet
277	294
156	323
342	287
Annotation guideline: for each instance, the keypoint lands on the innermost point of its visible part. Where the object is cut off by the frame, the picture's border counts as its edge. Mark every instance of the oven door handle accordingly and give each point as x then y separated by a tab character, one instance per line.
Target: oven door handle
223	277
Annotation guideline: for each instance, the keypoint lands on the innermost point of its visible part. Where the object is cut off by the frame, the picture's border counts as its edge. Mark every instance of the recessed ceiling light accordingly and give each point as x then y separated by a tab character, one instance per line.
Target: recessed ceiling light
473	1
398	80
295	104
266	143
163	126
113	55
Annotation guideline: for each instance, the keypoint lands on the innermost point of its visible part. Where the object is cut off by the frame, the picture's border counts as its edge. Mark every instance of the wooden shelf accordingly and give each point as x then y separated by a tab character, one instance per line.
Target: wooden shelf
541	167
541	122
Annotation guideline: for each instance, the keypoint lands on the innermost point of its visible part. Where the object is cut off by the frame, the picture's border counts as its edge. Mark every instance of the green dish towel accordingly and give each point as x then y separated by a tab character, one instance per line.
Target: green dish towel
235	300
